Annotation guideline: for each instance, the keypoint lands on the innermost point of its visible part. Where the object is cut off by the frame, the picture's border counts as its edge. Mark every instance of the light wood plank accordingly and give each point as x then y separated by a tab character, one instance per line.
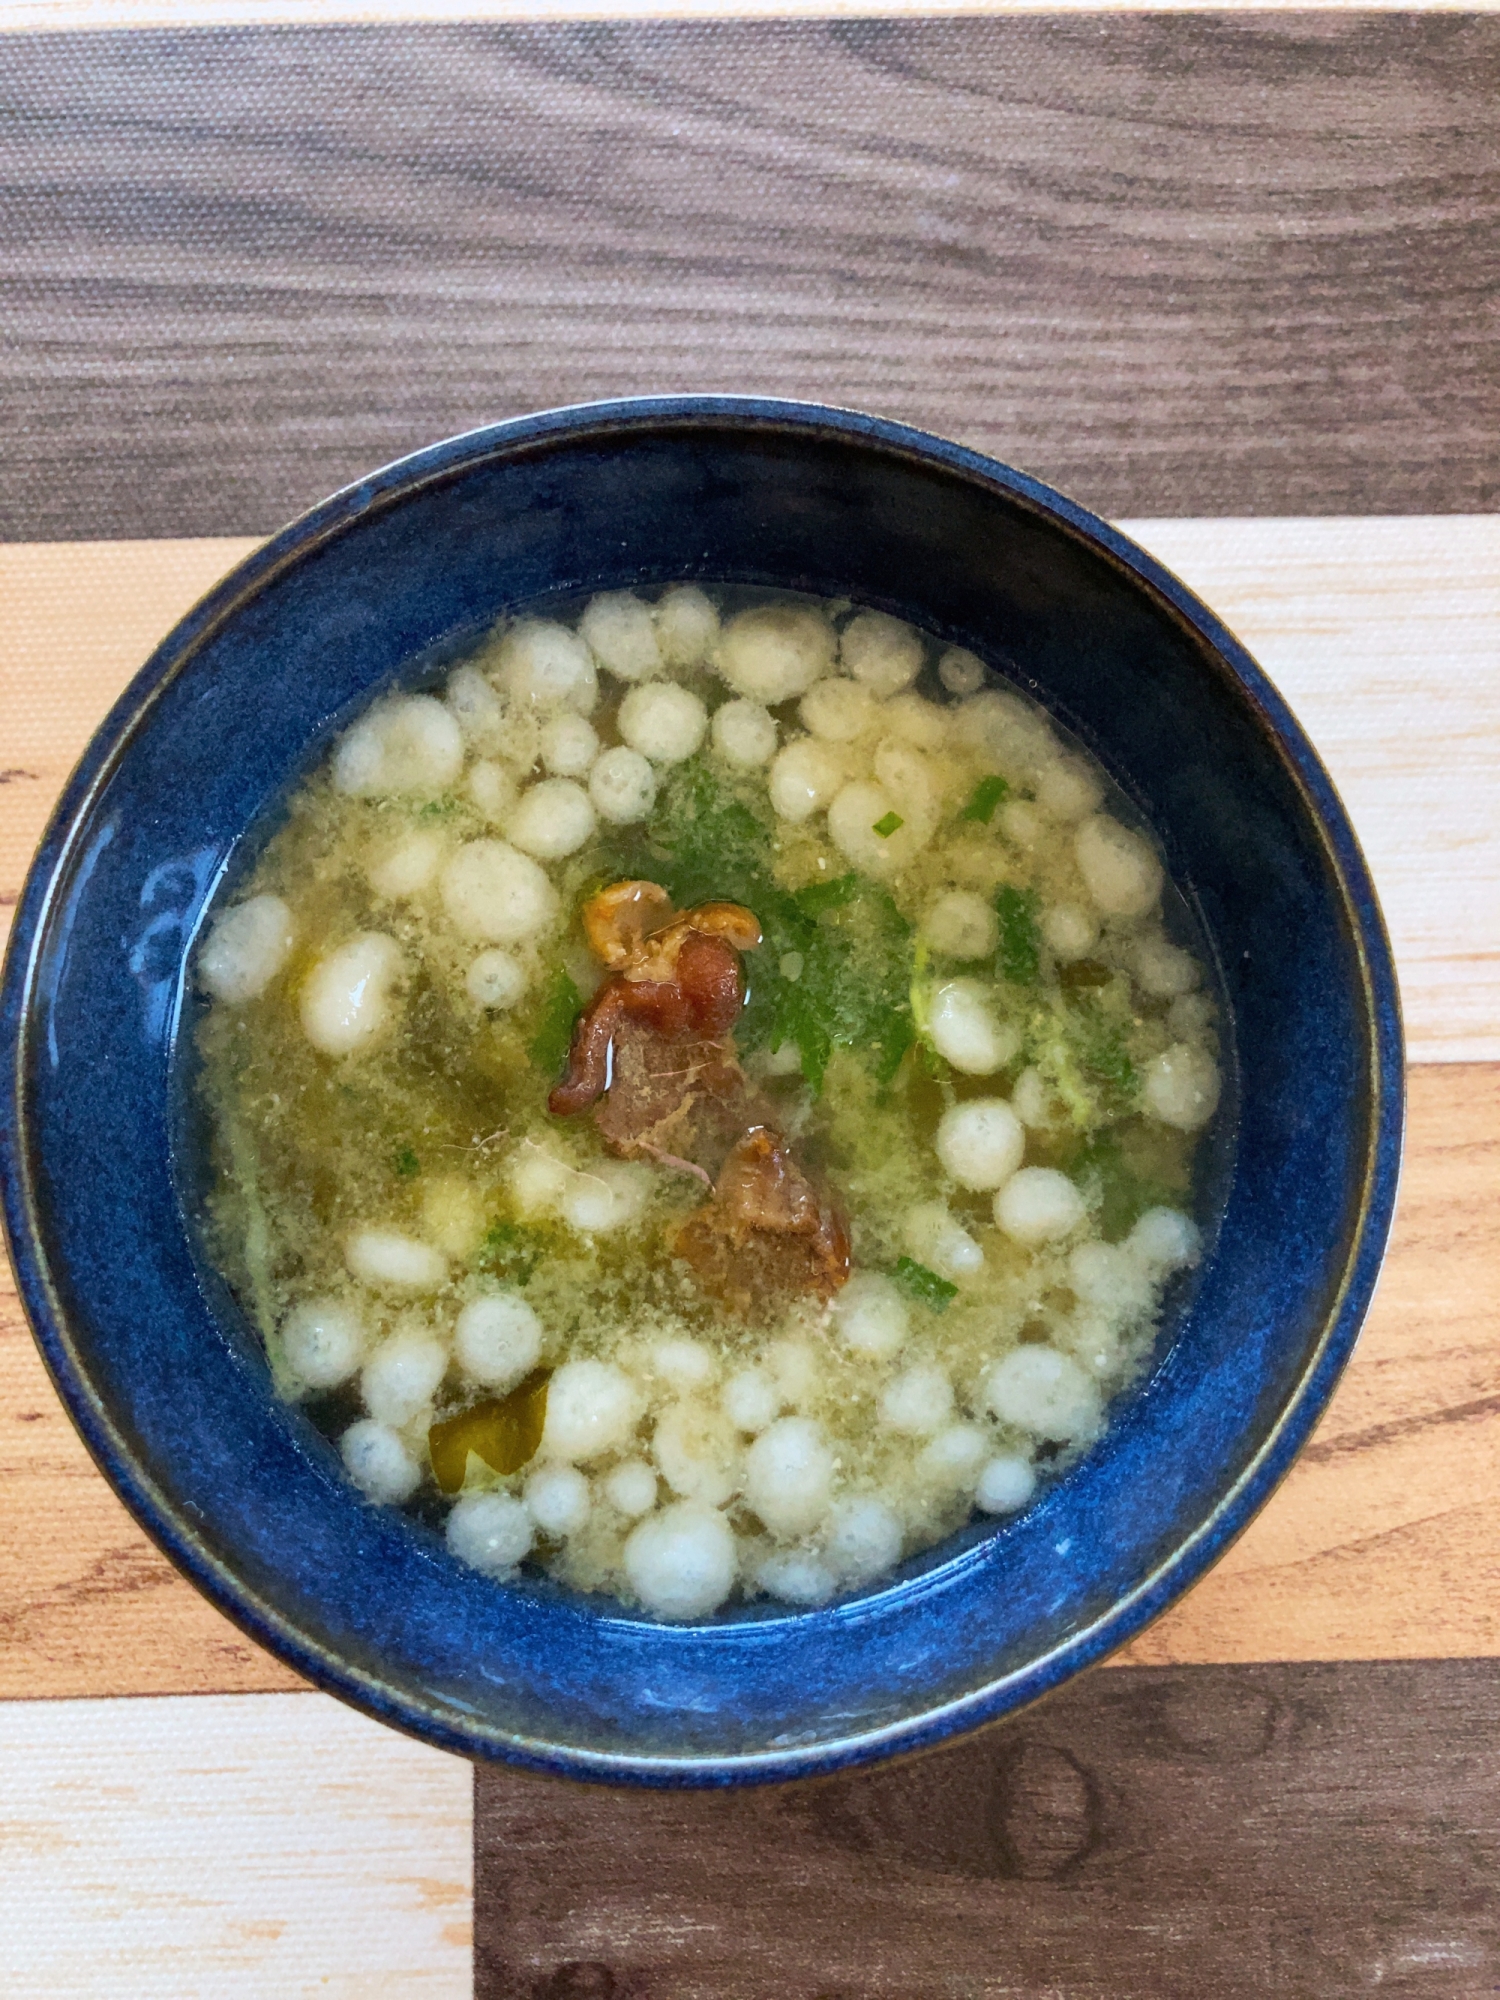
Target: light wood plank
1379	1545
77	620
1383	634
243	1846
1383	1544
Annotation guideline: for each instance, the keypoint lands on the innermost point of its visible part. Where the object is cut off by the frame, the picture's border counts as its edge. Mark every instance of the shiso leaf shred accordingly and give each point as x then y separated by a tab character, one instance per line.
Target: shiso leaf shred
554	1032
510	1251
924	1285
1019	956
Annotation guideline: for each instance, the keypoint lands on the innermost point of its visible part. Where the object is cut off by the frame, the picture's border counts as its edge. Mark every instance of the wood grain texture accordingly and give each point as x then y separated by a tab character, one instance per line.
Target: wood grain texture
1251	1834
69	16
1384	635
234	1849
1180	264
1382	1544
77	621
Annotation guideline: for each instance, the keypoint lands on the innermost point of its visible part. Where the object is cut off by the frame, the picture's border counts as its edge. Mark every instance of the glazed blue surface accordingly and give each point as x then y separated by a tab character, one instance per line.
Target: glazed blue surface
162	1375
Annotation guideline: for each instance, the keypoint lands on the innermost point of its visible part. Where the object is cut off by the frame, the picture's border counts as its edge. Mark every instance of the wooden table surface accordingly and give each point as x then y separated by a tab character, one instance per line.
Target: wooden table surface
1227	276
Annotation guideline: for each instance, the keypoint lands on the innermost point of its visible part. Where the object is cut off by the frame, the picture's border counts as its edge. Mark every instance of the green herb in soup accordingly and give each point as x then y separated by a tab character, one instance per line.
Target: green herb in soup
705	1095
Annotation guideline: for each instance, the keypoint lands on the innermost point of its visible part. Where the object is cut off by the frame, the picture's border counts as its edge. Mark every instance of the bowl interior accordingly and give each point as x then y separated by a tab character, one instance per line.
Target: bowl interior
159	1368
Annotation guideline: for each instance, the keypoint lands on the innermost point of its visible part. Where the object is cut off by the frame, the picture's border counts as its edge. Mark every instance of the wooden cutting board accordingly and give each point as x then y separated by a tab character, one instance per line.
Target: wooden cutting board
1229	277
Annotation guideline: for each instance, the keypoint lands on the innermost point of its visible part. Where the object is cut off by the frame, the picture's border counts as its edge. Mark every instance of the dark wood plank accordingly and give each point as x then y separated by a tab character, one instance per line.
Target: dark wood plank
1206	1834
1178	263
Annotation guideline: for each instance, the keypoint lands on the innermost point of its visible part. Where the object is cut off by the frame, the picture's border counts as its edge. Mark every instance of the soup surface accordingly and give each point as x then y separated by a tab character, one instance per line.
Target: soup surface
705	1097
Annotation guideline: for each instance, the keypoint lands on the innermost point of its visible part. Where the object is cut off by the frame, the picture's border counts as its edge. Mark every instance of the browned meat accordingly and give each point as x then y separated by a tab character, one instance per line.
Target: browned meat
682	1102
766	1231
654	1050
701	1003
654	1054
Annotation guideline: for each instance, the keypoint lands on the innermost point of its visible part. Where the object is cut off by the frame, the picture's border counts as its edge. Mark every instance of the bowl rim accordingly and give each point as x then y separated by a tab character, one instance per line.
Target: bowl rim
597	422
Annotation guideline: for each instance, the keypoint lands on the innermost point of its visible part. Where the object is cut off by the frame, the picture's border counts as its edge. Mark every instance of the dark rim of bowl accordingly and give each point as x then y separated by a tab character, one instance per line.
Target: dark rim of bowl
1128	1615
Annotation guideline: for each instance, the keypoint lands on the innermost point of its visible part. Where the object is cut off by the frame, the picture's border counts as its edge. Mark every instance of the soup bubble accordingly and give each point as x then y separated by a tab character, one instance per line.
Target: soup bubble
323	1341
1038	1204
492	1532
1046	1393
620	629
744	734
498	1340
379	1463
622	786
681	1562
246	949
687	625
881	652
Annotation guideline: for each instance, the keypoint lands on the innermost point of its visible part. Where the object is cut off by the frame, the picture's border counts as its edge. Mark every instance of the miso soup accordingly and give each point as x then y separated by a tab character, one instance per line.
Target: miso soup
705	1097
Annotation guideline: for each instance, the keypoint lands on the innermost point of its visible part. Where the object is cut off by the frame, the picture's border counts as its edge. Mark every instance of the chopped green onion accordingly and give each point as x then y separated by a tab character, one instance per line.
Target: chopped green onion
887	825
407	1163
923	1284
984	798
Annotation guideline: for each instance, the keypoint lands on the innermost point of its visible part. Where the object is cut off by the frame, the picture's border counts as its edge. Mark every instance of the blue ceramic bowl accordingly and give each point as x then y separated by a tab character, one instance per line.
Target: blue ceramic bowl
163	1376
